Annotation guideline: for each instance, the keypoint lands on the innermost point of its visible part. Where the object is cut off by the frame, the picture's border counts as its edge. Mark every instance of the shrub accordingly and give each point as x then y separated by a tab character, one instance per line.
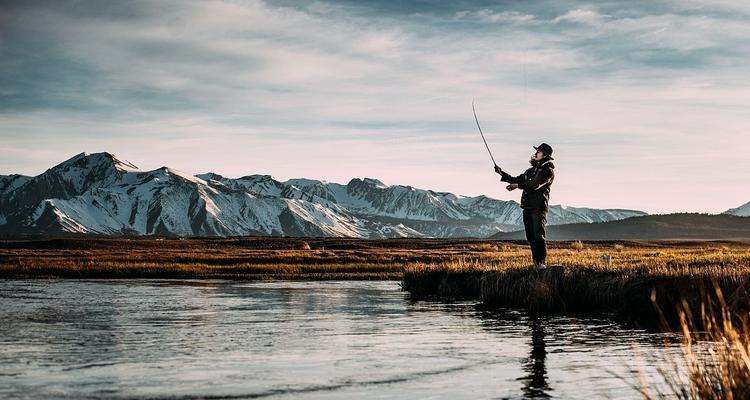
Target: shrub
488	247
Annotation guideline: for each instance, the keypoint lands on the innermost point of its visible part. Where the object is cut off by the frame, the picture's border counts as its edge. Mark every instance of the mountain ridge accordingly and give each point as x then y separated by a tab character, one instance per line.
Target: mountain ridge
676	226
100	193
741	211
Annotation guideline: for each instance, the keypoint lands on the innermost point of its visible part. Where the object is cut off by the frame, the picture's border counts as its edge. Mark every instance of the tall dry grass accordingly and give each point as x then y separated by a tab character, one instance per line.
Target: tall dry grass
715	346
582	282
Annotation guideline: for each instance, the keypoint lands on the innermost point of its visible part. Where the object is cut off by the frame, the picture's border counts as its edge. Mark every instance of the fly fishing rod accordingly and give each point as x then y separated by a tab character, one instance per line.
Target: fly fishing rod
482	133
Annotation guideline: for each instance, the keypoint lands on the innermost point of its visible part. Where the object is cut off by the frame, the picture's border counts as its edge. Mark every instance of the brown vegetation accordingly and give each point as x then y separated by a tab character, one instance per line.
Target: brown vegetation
715	360
723	372
310	258
232	258
581	281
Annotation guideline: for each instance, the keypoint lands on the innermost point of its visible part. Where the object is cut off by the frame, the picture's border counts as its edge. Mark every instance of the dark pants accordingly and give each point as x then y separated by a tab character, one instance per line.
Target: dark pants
533	222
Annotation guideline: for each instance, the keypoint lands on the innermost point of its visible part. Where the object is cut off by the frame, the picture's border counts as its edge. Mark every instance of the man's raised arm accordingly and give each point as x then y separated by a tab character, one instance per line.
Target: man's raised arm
506	177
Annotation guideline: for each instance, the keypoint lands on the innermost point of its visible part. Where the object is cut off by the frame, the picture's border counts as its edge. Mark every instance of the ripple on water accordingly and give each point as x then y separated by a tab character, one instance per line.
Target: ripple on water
221	339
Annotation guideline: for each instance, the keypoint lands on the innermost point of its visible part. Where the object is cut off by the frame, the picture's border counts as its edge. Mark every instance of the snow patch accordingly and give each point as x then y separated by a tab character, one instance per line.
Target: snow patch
741	211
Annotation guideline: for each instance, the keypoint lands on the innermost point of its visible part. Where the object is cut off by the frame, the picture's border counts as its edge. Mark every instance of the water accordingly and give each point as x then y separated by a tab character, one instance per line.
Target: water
313	340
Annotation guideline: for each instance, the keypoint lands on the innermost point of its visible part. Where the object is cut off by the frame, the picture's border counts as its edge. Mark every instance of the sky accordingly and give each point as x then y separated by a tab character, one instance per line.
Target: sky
646	103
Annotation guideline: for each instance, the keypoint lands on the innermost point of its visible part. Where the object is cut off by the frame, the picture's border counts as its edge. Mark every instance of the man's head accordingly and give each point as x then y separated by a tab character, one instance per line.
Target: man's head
543	150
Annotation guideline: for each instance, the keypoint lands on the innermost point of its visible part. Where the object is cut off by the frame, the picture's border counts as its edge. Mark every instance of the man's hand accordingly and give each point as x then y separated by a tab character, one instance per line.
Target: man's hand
512	186
498	170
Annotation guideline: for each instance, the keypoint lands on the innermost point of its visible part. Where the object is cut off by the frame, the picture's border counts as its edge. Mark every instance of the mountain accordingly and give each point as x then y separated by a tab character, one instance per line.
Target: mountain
102	194
741	211
650	227
9	183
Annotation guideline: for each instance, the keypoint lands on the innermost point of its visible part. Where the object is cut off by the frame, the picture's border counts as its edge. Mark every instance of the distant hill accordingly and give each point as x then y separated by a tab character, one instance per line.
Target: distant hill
741	211
650	227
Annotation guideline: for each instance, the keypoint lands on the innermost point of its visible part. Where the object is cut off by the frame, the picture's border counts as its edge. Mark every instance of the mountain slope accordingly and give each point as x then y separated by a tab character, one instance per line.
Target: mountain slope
9	183
649	227
741	211
101	194
65	180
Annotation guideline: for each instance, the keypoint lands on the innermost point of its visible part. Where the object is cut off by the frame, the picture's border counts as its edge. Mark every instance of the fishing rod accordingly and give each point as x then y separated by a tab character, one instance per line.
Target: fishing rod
482	133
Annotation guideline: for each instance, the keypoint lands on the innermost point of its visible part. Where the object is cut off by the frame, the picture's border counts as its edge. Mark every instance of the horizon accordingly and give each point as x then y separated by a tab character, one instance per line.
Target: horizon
644	104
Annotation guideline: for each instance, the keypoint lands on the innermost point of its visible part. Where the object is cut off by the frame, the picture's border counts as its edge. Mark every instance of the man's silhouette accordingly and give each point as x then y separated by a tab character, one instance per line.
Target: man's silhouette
535	183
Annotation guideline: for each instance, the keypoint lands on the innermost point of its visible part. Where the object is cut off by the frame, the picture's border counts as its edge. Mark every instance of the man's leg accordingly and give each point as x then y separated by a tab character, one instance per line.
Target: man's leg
541	241
537	220
528	225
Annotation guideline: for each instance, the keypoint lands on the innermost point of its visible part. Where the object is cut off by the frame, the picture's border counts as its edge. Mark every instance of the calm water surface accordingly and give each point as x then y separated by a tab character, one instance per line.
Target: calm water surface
314	340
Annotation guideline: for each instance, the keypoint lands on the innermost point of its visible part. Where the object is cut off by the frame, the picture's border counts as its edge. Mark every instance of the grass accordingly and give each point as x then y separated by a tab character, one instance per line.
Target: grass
233	258
582	282
723	372
268	256
715	361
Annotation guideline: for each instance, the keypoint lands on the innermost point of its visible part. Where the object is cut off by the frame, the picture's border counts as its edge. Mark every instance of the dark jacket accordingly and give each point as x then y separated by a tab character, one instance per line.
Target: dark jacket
535	183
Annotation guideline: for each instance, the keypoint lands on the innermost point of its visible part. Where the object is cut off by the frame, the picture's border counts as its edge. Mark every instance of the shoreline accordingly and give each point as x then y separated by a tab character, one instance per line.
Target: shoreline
649	299
495	273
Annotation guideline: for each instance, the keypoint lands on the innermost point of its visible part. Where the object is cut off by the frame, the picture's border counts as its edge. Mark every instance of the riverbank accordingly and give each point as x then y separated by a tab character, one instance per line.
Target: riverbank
495	273
644	282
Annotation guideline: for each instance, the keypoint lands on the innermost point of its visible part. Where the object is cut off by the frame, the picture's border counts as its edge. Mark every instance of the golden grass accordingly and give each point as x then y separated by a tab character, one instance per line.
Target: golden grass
715	360
246	258
412	259
724	371
581	281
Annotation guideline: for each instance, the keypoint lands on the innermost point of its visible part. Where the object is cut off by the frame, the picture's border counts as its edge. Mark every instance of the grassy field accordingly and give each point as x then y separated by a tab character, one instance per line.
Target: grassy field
241	258
293	258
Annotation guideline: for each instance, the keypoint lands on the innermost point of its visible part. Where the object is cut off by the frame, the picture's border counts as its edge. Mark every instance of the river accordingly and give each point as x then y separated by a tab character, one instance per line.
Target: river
162	339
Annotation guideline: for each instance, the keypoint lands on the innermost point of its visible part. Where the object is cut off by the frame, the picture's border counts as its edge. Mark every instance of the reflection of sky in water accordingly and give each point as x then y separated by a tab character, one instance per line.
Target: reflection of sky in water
116	339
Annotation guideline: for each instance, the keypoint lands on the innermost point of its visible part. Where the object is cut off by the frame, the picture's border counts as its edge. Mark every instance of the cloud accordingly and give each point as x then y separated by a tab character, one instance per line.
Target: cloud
490	16
582	16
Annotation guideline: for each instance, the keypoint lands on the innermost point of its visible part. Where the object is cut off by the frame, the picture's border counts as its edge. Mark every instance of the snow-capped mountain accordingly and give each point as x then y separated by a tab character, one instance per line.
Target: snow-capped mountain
99	193
741	211
9	183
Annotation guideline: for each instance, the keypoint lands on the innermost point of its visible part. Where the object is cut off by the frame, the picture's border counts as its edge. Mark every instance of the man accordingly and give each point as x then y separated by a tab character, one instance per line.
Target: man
535	183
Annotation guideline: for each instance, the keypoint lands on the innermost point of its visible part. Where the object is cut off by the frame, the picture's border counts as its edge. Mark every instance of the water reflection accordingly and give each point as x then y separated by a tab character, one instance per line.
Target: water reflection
159	339
535	383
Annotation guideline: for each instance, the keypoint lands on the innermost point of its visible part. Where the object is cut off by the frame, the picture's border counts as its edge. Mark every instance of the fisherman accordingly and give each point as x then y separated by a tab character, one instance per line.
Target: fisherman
535	183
